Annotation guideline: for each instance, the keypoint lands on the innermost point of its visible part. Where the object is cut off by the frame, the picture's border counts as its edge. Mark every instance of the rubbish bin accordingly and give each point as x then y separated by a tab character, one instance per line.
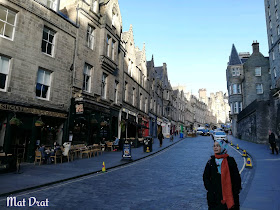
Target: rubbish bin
148	144
181	135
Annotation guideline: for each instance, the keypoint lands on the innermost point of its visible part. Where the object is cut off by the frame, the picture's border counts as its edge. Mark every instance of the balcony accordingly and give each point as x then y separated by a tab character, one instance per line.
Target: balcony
108	64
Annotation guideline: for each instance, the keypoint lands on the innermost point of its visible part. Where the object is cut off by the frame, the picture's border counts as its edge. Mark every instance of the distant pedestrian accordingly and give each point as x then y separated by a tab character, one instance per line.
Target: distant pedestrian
222	179
160	138
272	142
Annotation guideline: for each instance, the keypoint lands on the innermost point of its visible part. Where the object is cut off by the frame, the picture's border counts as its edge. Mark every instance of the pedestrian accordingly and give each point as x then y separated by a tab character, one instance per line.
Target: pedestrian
222	179
160	138
116	143
272	142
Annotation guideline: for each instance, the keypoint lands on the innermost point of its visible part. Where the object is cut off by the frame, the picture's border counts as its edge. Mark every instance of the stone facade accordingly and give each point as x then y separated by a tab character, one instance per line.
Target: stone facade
37	57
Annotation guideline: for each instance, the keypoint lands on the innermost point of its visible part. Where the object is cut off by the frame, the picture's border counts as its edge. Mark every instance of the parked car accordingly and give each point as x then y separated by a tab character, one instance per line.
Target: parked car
200	130
220	135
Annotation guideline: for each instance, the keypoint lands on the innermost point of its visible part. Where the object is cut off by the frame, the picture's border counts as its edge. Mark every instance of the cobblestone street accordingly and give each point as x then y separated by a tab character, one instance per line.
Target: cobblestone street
171	179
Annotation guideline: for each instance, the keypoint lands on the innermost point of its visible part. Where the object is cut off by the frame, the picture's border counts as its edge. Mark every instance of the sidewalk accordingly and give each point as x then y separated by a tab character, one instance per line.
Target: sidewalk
34	175
264	192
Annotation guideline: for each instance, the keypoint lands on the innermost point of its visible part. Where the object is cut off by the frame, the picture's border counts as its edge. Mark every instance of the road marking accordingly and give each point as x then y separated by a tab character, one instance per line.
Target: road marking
97	174
243	159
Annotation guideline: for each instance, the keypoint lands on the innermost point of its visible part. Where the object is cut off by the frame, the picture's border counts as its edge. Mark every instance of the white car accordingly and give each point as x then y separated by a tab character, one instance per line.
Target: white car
220	135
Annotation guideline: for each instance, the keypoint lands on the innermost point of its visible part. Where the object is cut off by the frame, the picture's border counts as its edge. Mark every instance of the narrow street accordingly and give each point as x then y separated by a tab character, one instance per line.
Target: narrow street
171	179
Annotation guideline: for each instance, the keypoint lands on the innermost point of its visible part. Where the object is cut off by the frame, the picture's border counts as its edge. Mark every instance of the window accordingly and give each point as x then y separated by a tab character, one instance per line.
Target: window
155	106
233	72
140	101
269	72
133	96
130	63
276	14
151	104
279	47
240	107
87	77
239	88
275	2
269	11
235	107
237	71
113	49
125	91
274	71
234	87
7	22
43	84
108	45
48	41
271	39
258	71
4	72
94	6
259	89
90	36
116	91
167	95
50	3
273	56
230	91
104	86
146	103
114	17
270	24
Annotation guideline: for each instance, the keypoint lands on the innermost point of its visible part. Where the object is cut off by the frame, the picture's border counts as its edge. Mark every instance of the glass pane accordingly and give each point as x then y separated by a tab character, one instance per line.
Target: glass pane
3	13
2	27
47	78
49	48
11	17
38	90
4	65
45	91
40	76
2	81
45	35
51	38
9	31
44	46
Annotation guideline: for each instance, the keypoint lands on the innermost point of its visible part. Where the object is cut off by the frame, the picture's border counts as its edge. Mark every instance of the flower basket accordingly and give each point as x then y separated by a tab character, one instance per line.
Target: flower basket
93	121
39	123
104	123
15	121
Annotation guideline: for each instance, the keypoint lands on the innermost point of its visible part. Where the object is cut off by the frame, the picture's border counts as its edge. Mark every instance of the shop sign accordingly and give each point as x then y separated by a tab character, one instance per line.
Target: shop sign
126	150
79	108
15	108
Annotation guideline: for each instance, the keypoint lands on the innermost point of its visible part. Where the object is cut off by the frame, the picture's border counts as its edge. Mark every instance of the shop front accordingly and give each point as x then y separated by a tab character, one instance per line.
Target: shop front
143	126
24	128
159	128
128	124
92	123
152	125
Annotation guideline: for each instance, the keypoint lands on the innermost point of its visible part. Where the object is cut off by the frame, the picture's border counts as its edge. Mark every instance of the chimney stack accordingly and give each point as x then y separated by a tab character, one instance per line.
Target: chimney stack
255	46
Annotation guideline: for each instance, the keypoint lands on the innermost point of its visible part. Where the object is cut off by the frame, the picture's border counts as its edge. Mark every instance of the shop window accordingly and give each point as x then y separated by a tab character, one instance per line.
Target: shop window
43	84
7	22
4	72
48	41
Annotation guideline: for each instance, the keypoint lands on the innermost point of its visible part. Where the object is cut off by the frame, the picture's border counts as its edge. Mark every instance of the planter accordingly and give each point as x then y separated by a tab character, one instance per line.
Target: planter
39	123
15	121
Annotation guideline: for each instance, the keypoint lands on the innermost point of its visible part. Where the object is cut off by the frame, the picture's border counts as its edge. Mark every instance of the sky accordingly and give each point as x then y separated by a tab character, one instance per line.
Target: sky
194	38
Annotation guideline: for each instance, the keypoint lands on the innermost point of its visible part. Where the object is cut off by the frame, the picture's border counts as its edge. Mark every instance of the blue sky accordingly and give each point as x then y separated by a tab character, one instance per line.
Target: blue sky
194	38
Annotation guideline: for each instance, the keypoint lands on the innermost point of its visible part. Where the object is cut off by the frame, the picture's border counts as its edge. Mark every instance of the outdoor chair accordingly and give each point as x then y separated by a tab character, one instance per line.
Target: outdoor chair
57	154
38	156
110	145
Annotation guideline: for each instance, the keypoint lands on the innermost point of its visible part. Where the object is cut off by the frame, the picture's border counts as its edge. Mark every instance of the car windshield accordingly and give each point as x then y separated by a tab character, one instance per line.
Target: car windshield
220	133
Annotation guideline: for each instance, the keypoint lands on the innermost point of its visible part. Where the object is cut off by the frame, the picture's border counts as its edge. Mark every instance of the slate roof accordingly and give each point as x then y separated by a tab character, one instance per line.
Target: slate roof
234	57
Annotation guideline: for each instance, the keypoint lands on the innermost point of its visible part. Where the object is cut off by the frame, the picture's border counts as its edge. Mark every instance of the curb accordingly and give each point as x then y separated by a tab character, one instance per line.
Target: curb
86	174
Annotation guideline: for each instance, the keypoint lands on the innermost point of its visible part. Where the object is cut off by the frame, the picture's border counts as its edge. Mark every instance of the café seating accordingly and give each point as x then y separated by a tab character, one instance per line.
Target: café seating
109	145
96	149
38	156
58	154
86	151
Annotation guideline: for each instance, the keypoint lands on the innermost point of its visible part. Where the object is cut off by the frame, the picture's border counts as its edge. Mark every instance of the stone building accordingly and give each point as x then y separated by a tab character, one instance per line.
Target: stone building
37	45
97	70
135	109
272	9
250	112
199	111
